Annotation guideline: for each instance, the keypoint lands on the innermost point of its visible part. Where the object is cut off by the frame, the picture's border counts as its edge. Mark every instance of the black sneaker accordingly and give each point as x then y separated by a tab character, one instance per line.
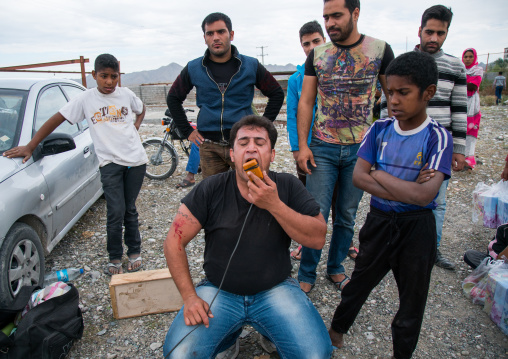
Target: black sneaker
444	262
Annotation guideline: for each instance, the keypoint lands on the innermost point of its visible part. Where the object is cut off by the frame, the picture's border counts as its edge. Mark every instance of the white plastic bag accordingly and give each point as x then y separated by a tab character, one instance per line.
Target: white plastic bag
474	285
490	204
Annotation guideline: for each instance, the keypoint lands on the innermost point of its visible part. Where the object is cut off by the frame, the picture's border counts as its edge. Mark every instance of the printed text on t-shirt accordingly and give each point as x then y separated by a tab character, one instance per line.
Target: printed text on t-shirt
110	114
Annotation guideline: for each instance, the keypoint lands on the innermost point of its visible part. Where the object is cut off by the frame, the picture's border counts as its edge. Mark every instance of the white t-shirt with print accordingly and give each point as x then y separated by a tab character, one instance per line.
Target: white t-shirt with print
111	121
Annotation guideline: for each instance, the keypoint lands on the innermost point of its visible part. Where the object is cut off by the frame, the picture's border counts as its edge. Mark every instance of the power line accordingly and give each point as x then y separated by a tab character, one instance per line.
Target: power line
262	53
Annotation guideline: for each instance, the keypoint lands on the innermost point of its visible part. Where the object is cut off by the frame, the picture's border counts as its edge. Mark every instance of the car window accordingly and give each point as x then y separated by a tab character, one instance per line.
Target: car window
12	106
71	92
49	103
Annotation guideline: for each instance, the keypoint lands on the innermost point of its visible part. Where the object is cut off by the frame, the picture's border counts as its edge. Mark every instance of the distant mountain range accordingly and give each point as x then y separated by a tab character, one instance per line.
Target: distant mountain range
166	74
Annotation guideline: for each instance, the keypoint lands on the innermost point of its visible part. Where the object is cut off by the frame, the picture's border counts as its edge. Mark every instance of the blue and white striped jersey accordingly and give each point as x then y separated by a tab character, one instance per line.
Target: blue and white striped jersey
403	154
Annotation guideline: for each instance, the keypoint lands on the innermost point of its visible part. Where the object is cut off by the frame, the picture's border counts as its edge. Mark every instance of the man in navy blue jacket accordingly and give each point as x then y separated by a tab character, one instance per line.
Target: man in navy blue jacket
224	81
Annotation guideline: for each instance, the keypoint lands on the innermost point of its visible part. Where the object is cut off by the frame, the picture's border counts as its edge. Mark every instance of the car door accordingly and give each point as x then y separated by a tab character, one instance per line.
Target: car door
92	184
65	173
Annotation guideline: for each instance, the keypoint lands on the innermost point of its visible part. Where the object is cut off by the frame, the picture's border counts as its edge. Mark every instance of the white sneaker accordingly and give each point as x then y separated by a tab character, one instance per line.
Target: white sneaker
231	352
266	344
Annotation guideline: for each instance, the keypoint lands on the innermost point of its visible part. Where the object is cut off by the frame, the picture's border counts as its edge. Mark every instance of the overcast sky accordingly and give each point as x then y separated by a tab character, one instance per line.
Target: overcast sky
145	35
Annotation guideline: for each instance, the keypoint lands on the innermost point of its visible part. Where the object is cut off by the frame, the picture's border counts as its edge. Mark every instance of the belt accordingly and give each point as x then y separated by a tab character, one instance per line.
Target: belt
222	143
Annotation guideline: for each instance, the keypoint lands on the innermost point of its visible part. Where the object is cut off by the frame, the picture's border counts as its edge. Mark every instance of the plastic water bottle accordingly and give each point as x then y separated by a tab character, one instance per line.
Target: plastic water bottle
64	275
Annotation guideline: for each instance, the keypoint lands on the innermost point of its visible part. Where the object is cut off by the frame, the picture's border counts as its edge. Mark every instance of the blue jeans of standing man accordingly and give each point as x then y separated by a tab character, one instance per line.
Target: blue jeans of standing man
335	163
499	93
440	210
121	185
283	314
193	163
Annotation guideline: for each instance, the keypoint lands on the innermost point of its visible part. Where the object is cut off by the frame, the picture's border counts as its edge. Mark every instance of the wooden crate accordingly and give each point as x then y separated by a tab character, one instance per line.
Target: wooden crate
144	292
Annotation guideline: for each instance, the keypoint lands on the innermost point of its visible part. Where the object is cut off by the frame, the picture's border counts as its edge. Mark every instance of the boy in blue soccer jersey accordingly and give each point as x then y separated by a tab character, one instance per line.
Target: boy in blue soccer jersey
399	232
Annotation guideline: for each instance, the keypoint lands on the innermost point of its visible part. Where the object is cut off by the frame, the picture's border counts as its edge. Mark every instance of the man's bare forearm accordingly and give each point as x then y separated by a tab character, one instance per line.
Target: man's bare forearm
306	230
182	231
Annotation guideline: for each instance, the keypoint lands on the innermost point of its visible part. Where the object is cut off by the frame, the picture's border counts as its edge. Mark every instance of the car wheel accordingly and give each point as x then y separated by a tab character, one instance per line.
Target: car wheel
21	262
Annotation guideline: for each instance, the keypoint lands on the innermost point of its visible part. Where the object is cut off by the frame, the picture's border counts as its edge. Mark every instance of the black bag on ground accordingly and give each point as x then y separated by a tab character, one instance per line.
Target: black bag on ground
47	331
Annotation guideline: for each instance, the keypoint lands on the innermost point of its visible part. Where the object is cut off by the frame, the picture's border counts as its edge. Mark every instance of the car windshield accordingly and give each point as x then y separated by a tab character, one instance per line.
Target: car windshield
12	109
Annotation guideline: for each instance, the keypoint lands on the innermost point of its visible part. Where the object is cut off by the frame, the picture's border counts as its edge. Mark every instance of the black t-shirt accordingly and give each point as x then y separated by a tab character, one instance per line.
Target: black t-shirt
387	58
222	72
261	260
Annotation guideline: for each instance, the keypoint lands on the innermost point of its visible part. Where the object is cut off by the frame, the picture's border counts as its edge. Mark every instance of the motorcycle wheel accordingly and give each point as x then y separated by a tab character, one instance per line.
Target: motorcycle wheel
162	162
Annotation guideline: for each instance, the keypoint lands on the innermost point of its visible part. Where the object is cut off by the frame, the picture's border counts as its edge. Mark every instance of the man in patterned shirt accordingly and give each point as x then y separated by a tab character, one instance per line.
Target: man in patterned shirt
342	74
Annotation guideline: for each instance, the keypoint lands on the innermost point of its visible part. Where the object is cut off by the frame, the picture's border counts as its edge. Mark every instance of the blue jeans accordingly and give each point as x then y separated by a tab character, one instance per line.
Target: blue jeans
121	187
193	163
282	314
335	163
499	93
440	210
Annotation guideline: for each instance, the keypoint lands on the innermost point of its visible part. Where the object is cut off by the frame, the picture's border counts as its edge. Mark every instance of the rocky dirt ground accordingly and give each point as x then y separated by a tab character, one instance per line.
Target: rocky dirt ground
453	326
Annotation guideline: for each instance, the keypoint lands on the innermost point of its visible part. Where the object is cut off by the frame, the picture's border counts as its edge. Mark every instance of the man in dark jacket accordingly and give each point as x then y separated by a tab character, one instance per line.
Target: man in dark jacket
224	81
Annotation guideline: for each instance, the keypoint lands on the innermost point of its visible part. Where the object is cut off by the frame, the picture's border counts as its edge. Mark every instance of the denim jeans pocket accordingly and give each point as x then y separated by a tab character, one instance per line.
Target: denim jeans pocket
203	281
314	142
292	281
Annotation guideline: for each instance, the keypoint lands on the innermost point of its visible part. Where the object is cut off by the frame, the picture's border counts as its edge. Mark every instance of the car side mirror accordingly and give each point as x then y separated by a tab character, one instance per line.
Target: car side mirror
53	144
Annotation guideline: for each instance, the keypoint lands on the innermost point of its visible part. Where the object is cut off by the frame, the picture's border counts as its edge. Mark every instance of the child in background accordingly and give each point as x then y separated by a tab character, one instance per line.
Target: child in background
109	112
499	84
399	232
474	75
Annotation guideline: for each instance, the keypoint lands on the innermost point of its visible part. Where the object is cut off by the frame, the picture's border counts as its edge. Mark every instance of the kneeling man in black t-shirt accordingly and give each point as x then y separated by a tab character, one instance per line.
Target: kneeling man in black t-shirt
256	220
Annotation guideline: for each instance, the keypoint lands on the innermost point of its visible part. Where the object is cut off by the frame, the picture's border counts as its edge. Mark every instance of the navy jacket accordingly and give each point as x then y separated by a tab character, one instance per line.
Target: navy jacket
218	112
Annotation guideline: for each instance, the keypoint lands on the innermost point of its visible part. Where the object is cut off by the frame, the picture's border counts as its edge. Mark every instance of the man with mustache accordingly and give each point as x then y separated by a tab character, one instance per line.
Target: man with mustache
248	224
224	81
343	75
449	104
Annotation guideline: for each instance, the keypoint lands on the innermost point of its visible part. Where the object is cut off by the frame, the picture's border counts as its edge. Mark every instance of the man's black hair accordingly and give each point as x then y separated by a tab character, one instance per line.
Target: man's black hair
438	12
310	28
217	16
106	61
500	72
351	5
417	67
254	121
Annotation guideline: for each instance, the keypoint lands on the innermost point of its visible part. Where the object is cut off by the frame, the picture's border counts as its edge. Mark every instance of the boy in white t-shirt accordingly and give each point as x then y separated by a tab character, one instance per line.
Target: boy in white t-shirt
109	111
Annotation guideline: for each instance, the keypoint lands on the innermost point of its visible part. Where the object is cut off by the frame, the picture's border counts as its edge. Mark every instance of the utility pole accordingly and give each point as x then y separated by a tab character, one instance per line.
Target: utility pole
262	53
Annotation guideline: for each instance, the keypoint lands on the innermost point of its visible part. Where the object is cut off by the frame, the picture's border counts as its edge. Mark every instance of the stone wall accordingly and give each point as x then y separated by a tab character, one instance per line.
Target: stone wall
156	94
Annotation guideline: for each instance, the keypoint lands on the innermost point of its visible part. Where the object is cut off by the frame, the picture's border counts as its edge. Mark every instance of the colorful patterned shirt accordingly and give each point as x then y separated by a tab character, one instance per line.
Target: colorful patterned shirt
347	77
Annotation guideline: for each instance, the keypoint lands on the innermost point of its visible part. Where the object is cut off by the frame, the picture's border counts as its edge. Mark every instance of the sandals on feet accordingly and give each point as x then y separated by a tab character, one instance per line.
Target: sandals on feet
296	254
310	290
185	183
117	266
339	284
352	253
131	264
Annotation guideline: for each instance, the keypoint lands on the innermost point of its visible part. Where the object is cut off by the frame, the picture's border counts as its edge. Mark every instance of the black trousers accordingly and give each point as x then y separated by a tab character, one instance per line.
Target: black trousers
121	187
406	244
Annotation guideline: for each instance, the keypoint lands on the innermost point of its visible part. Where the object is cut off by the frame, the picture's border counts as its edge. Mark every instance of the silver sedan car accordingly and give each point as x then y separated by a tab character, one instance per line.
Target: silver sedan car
40	200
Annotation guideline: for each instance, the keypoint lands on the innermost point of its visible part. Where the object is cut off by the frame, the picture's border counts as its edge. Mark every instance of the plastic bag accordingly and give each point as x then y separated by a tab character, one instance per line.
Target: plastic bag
474	285
490	204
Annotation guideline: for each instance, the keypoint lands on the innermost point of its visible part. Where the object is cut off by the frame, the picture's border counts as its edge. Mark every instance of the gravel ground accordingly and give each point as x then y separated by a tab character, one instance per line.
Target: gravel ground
452	327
